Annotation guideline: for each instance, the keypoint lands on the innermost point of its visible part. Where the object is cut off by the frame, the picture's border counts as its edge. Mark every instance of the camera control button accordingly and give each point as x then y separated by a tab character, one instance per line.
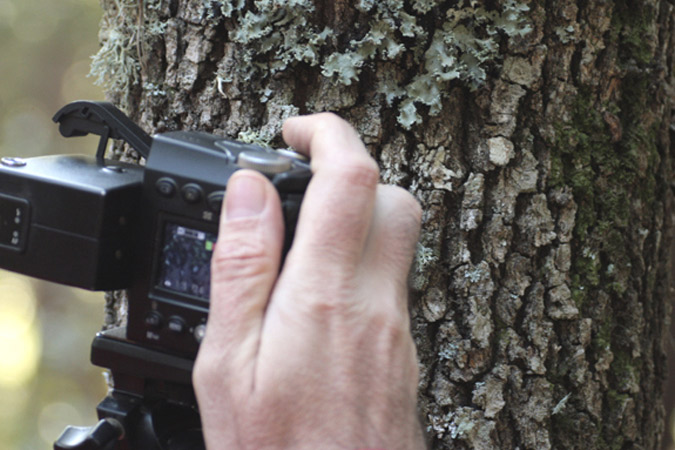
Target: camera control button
176	324
265	162
114	169
12	162
192	193
215	200
166	186
153	320
200	332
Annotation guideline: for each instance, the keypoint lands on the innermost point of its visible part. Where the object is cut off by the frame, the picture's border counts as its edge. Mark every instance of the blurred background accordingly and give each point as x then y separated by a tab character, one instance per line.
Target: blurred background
46	380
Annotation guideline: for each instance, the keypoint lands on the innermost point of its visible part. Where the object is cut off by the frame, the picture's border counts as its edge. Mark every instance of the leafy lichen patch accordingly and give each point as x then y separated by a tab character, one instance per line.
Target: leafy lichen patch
463	46
116	66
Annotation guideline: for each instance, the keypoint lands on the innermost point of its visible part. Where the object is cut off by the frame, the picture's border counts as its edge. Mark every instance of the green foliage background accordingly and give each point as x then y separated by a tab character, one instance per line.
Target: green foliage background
45	50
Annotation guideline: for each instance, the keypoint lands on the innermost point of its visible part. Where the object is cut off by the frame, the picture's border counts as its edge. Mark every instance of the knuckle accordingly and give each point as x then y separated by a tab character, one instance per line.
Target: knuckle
409	208
406	200
389	313
329	307
328	123
207	372
402	214
334	301
392	321
359	171
329	120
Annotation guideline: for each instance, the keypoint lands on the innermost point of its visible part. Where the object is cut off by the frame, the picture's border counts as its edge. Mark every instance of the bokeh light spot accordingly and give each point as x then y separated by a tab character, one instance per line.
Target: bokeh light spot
19	334
54	418
7	13
40	40
35	26
72	87
27	131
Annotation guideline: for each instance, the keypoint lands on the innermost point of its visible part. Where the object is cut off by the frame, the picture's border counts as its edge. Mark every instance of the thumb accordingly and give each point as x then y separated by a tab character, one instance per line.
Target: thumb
244	268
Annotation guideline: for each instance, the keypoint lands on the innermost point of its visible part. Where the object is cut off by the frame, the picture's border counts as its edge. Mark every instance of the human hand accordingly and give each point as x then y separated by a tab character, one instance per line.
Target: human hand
319	356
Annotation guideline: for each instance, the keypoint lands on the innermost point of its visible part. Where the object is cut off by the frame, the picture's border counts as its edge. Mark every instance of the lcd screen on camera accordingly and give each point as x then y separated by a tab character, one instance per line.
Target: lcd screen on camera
185	260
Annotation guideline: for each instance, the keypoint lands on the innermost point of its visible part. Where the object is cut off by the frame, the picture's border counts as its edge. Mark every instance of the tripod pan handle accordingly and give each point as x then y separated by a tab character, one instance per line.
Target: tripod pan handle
101	436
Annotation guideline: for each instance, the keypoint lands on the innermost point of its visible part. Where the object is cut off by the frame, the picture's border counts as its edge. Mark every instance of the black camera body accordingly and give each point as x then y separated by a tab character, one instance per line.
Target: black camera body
104	225
183	187
69	220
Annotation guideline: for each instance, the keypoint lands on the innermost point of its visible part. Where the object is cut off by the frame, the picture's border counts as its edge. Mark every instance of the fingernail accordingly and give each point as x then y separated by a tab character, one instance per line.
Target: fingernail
245	197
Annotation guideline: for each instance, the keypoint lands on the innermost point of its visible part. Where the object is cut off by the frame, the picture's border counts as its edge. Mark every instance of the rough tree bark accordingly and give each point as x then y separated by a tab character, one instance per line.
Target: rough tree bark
537	135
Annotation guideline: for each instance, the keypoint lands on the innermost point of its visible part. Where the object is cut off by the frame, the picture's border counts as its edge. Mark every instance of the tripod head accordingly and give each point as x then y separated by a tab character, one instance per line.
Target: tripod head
152	405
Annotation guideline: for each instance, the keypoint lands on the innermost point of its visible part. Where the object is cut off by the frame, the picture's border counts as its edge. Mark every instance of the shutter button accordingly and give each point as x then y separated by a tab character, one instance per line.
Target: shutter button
267	163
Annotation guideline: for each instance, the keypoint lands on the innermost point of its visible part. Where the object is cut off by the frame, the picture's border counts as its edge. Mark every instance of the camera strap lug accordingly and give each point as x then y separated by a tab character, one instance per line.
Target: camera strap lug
103	119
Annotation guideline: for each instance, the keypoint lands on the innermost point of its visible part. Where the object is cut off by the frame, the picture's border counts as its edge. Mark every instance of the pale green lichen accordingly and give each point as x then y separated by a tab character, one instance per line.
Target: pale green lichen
557	409
565	34
115	67
424	257
450	41
255	137
462	423
424	6
156	28
126	28
448	351
344	66
462	49
153	90
227	8
273	36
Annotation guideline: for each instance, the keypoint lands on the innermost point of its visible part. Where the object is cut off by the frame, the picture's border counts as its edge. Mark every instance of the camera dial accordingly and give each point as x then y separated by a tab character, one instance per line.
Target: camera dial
265	162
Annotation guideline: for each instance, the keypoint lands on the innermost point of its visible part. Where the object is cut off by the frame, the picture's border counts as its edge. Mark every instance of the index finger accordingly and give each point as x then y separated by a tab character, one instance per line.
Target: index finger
337	209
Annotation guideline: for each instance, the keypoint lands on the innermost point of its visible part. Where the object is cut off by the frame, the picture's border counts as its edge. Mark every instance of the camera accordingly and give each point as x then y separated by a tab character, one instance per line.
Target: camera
100	225
96	224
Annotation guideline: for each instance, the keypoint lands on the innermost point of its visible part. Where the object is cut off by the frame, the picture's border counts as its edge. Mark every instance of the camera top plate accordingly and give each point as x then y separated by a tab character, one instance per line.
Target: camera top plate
213	159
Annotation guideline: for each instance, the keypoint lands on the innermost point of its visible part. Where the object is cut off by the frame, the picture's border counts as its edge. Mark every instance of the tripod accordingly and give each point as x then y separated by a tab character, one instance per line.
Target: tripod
152	405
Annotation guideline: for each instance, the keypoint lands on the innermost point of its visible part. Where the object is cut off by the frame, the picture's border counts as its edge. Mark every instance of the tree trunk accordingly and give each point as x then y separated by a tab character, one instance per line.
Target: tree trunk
537	137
